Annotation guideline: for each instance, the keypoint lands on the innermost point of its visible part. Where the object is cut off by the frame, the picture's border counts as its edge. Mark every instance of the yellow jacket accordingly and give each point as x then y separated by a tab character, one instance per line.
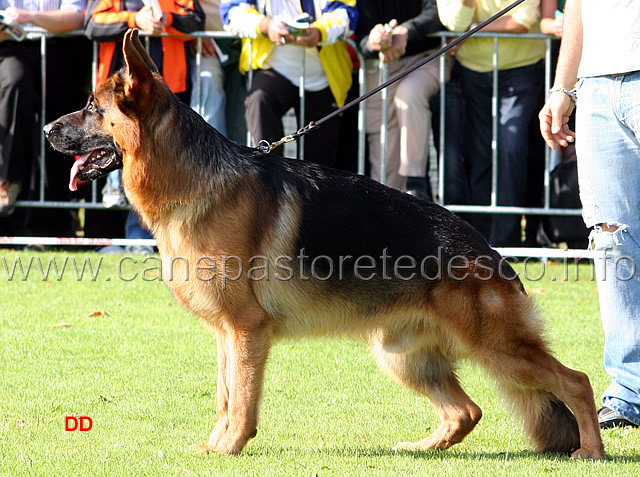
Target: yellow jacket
334	56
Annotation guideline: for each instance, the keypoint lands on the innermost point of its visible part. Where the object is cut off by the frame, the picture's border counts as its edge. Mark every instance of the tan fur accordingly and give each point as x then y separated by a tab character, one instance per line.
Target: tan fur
417	338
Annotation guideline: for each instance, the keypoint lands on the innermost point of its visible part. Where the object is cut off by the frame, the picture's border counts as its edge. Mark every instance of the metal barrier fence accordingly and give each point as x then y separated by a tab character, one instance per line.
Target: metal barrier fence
493	208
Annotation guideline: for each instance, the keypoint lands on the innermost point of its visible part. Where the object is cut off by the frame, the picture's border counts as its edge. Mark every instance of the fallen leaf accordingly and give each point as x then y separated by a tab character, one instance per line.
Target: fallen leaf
62	325
537	291
19	422
96	314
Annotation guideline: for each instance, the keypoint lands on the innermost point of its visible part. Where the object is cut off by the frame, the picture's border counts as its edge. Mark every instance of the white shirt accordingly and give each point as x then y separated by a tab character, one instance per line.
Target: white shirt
611	37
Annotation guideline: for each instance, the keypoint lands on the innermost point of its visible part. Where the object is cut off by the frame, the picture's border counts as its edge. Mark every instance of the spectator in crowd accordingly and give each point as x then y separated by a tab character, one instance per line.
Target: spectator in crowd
220	99
280	55
607	142
110	19
68	61
552	17
108	22
456	181
520	94
396	34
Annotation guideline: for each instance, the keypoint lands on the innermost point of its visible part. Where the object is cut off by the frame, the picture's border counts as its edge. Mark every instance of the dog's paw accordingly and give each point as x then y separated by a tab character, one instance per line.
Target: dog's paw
436	441
410	446
402	446
203	449
588	454
218	449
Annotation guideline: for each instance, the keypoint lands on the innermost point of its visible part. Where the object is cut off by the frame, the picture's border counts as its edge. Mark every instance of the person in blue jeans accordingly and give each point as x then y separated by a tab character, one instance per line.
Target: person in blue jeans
607	142
221	94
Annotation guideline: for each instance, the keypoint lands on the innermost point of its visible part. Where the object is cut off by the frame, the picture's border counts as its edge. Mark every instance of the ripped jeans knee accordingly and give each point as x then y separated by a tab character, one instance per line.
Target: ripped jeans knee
616	255
616	252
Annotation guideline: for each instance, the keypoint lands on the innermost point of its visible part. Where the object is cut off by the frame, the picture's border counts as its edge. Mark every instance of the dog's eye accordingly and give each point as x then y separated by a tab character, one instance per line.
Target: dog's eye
92	107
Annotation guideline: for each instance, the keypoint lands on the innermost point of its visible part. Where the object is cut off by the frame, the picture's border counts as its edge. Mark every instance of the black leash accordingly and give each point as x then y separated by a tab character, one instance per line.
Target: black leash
264	146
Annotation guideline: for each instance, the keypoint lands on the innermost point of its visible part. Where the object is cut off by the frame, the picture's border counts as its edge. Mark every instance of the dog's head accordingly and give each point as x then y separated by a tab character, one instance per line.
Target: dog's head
99	133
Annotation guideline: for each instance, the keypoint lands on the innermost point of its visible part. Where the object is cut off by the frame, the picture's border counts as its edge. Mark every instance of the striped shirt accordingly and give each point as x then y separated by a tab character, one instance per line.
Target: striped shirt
43	6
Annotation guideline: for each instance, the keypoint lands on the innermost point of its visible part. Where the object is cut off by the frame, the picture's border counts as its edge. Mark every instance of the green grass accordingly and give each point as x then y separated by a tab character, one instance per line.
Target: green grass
144	370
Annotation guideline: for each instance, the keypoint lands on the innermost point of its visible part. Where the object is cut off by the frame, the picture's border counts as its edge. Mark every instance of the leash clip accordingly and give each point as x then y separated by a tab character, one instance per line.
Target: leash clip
265	147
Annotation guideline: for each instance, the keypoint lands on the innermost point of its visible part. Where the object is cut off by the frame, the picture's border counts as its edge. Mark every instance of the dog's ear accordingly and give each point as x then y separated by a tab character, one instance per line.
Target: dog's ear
138	64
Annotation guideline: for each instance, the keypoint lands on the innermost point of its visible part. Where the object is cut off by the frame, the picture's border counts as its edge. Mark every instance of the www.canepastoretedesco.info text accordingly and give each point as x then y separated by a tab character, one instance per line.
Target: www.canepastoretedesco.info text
301	267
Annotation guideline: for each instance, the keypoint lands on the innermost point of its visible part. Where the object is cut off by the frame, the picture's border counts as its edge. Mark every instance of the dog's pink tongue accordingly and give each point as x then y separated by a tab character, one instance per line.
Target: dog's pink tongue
75	170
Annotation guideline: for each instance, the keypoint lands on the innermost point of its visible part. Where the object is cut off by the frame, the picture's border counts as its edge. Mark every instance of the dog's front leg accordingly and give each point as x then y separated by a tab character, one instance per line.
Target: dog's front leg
247	339
223	344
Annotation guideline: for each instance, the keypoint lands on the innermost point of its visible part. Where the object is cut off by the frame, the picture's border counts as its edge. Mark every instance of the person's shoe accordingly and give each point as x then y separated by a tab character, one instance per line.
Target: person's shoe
8	195
114	249
113	196
139	249
36	247
608	419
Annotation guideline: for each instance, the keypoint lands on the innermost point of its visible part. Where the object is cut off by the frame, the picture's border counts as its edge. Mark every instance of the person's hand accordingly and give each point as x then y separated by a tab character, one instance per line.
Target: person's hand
208	50
147	22
19	15
380	37
311	39
276	31
552	26
398	48
554	120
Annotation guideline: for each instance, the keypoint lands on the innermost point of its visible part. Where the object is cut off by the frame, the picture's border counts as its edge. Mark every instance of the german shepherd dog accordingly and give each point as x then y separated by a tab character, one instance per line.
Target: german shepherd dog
262	248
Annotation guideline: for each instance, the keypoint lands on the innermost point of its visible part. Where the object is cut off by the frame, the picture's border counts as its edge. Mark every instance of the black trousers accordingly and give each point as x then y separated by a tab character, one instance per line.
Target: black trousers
68	85
271	96
19	103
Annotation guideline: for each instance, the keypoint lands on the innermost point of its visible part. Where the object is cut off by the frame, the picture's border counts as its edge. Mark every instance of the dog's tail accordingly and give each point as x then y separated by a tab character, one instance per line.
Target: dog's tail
548	422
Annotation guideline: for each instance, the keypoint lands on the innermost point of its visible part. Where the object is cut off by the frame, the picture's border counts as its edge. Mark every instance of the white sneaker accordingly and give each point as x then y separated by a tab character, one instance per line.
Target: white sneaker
113	197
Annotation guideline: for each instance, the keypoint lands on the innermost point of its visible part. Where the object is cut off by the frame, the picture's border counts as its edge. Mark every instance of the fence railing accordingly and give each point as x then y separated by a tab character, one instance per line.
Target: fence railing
492	208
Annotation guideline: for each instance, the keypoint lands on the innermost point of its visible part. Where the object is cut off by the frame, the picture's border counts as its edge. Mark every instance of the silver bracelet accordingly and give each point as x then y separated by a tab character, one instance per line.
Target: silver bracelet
571	93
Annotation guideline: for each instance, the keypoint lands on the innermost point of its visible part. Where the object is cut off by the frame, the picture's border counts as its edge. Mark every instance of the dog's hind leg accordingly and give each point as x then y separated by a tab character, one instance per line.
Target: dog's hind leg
510	346
431	374
247	339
